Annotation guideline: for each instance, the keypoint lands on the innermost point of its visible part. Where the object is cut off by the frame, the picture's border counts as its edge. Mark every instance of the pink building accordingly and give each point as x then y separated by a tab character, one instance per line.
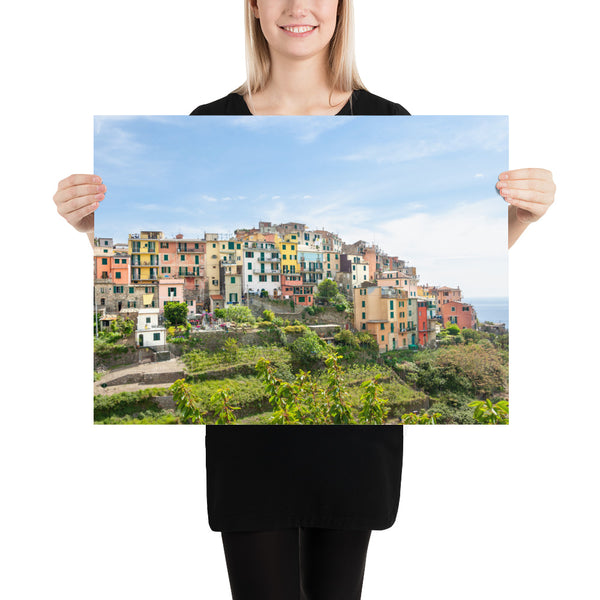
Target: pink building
459	313
112	269
171	290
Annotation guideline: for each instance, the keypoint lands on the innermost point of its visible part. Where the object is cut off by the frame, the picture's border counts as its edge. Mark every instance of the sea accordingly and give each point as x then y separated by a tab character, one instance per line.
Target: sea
490	308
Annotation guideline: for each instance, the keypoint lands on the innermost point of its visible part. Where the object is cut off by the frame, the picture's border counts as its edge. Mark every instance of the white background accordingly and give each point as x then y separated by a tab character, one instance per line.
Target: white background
119	512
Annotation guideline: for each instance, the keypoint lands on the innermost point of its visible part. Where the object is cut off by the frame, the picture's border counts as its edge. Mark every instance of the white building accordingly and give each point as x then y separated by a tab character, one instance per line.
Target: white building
262	268
149	334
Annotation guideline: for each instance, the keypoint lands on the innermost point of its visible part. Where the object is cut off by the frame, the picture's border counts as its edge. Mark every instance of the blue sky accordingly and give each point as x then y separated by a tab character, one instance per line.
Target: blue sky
422	188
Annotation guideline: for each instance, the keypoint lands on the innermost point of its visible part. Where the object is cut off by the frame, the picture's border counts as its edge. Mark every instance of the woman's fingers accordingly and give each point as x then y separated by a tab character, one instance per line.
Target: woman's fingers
77	197
78	180
531	190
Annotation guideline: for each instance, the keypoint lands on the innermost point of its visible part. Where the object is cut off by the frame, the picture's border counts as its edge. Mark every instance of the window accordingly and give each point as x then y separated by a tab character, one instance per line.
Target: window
182	257
382	326
131	290
233	280
274	278
262	277
166	257
363	302
249	278
118	275
156	337
105	261
364	315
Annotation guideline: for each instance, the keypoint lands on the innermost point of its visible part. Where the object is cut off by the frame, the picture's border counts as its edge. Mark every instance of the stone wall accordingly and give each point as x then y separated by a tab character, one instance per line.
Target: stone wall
212	341
132	357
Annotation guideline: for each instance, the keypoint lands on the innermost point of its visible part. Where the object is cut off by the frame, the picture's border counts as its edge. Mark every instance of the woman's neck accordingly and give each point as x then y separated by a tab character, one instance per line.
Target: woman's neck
298	87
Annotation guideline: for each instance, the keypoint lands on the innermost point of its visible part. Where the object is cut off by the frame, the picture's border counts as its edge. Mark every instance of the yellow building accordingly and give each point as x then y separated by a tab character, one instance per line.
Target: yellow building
212	264
388	314
288	248
144	250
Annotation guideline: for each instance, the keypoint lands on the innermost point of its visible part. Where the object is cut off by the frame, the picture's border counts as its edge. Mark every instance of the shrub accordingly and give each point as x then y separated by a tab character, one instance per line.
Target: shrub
346	338
307	351
176	313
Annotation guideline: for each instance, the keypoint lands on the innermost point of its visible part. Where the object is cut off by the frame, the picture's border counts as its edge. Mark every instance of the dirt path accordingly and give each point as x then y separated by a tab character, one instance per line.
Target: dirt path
171	370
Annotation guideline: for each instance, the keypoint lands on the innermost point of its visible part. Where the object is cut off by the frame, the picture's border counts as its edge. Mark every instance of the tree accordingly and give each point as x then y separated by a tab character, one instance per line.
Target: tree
221	404
488	413
176	313
125	327
452	329
346	338
327	289
188	402
307	350
373	410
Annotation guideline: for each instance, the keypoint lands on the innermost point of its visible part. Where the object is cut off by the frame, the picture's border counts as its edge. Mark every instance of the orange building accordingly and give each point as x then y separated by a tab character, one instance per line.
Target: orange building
111	267
388	314
459	313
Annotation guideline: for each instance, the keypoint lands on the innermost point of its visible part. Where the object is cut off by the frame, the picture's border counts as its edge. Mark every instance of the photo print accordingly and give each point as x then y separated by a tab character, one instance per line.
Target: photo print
301	270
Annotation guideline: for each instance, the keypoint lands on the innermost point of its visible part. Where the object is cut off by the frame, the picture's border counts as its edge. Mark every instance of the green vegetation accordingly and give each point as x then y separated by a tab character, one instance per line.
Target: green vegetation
176	313
112	342
235	314
306	380
127	405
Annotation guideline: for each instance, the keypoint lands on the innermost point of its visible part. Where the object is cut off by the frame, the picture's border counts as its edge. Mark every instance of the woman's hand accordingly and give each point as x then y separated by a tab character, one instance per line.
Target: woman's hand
530	192
76	199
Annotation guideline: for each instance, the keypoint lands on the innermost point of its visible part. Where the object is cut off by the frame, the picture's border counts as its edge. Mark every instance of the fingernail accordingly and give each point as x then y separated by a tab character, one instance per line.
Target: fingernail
503	176
97	179
99	196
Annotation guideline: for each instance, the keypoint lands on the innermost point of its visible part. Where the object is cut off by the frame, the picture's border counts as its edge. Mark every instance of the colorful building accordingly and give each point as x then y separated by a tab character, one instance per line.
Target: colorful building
388	314
144	251
262	268
459	313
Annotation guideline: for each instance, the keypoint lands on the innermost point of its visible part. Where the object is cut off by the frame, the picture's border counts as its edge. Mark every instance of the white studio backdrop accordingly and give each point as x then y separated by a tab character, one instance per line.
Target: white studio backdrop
120	512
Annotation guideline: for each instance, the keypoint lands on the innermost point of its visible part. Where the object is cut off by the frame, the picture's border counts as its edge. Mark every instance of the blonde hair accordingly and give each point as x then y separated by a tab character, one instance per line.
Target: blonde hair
342	63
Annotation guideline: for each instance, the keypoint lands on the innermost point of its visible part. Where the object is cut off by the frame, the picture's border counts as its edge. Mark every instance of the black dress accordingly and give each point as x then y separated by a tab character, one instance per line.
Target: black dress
262	477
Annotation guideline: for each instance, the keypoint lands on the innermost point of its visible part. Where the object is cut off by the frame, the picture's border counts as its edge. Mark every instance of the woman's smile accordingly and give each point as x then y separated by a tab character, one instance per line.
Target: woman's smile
298	30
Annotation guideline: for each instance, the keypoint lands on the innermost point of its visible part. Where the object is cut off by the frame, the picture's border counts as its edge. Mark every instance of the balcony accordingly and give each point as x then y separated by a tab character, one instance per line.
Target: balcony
258	272
201	250
145	264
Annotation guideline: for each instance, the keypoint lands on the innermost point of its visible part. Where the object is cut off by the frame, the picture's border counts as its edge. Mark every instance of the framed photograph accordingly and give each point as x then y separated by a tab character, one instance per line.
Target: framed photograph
301	270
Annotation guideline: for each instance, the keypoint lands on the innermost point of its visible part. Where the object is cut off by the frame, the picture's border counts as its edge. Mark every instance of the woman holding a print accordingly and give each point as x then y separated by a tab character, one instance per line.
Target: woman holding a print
296	520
